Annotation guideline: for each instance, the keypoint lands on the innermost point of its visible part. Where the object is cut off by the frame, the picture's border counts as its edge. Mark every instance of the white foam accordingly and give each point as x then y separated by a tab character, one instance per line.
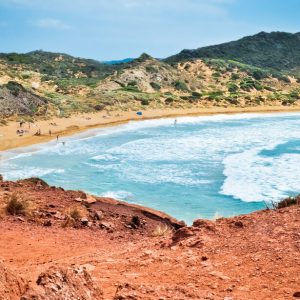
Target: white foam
74	143
119	195
16	174
251	177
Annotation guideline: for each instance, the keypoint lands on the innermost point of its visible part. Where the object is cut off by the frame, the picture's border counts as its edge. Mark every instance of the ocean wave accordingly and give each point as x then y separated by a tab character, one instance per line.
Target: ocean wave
17	173
119	195
253	178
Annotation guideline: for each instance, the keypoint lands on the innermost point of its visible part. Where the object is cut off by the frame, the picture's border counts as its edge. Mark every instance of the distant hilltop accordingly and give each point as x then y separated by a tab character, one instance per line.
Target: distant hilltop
278	50
117	62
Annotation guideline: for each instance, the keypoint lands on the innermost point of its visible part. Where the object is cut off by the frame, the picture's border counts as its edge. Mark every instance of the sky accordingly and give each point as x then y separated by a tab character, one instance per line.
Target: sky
116	29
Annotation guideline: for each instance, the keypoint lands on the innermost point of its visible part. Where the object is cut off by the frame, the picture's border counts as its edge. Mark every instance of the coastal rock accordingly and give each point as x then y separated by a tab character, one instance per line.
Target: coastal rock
84	222
182	234
210	225
64	283
98	215
239	224
11	286
47	223
296	295
89	200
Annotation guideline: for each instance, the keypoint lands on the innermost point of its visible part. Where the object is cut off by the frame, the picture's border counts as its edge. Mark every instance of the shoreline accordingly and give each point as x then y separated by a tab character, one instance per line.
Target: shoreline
79	123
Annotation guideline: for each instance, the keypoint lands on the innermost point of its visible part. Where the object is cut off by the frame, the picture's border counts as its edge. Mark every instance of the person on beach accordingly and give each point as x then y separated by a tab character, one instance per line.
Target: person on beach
50	132
175	122
57	137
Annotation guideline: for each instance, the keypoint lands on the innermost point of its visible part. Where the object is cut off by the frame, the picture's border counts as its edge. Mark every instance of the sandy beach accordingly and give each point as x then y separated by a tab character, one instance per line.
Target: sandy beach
61	127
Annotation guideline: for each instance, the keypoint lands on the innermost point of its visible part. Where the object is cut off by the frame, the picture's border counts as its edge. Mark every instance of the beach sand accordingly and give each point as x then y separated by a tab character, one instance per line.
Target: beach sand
9	138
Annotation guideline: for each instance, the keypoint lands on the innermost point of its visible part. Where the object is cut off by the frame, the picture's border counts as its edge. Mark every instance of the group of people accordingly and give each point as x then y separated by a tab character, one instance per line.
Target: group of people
20	132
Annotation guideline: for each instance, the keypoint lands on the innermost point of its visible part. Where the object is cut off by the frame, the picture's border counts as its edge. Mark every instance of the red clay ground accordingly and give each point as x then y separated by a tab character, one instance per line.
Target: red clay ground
254	256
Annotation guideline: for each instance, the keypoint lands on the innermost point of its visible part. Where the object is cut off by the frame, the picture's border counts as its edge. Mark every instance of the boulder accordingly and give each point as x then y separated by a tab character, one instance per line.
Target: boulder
84	221
11	286
64	283
98	215
182	234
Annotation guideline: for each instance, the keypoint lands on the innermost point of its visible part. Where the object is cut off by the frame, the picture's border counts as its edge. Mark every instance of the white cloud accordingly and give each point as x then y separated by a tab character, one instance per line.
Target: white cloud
51	24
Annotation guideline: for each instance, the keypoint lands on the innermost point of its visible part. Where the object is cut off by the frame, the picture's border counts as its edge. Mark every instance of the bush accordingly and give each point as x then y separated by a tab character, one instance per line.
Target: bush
181	86
196	95
232	88
99	107
286	202
14	87
133	89
132	83
155	86
294	95
15	206
145	102
259	74
235	76
215	95
216	74
151	69
169	100
248	83
75	213
161	230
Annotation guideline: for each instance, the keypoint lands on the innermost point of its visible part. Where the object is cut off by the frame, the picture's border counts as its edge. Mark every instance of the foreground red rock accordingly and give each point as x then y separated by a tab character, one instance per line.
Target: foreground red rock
255	256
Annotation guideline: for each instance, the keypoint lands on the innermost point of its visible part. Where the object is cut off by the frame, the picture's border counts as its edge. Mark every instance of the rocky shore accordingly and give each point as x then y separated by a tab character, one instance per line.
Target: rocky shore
58	244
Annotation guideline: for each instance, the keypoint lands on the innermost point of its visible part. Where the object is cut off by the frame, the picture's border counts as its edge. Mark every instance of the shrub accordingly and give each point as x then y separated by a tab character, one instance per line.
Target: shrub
155	85
145	102
14	87
216	74
181	86
133	89
259	74
248	83
294	95
215	95
196	95
161	230
99	107
15	206
75	213
232	88
169	100
151	69
132	83
235	76
286	202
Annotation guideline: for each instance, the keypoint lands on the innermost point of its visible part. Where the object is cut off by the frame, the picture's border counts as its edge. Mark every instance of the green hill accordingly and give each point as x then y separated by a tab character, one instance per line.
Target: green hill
276	50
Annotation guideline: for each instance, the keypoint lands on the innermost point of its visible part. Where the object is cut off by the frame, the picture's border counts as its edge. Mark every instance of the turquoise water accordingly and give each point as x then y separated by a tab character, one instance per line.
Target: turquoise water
206	167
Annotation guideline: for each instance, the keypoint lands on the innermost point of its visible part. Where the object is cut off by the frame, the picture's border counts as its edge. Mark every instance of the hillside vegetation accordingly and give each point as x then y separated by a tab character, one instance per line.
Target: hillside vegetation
259	70
276	50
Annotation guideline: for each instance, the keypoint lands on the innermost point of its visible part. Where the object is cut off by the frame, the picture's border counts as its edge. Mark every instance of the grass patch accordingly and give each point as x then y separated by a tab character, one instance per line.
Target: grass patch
16	206
290	201
161	230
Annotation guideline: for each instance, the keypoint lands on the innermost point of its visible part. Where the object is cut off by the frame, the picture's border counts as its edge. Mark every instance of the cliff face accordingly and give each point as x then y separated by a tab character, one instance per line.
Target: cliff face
64	244
15	99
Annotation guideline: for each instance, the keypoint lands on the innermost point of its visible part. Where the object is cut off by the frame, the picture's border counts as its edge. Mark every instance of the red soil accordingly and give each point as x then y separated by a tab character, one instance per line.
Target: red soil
254	256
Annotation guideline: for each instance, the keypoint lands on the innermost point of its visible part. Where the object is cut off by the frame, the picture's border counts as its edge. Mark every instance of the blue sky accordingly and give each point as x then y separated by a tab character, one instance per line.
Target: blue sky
114	29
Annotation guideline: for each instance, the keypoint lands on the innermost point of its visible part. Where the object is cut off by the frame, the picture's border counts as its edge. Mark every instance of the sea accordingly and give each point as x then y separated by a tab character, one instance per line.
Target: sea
189	167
